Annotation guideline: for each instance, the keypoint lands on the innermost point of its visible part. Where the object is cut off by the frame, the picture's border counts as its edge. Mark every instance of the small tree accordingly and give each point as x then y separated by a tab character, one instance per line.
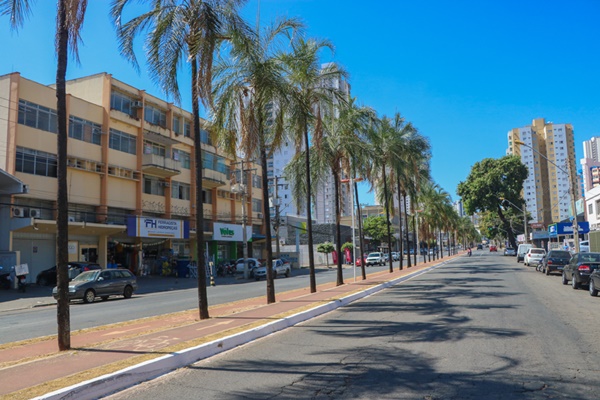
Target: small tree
375	227
326	248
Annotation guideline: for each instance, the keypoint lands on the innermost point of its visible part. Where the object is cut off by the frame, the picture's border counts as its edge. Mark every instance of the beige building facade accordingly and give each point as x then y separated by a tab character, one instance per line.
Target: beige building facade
549	155
130	167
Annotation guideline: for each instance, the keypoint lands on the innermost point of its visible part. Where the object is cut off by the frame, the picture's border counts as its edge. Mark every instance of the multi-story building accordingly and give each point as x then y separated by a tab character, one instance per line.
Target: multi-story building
590	164
549	154
131	177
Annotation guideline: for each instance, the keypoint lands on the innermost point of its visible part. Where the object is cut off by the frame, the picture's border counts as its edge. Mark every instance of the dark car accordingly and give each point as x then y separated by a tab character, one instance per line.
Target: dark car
101	283
579	269
479	247
555	261
48	276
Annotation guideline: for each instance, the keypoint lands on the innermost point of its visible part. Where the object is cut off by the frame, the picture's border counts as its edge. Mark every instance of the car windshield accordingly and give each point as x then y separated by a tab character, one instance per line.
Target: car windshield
87	276
537	251
374	255
560	253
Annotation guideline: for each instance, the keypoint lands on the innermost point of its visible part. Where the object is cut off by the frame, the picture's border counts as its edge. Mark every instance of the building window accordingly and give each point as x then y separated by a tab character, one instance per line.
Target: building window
36	162
215	162
256	181
122	141
187	128
85	130
37	116
154	186
590	209
207	196
121	102
154	148
180	190
177	125
155	116
256	205
183	157
205	137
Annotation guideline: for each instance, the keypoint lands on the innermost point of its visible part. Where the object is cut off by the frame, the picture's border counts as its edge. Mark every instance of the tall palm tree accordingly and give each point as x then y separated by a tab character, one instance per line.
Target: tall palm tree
180	31
339	145
69	21
249	83
309	93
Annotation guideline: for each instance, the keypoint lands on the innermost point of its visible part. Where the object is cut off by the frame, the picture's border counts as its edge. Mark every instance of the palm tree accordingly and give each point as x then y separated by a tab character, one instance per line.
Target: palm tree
180	31
339	145
69	21
249	83
309	93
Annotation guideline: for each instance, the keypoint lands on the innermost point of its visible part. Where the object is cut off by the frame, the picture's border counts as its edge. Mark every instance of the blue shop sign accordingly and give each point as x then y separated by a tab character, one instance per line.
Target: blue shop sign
566	228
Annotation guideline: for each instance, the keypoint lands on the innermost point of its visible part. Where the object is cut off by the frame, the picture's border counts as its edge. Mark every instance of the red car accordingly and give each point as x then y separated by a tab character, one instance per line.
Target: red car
493	248
358	261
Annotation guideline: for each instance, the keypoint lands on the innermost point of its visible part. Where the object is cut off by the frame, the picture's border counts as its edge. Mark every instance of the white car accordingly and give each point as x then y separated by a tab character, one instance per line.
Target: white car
584	246
279	268
534	256
375	258
253	264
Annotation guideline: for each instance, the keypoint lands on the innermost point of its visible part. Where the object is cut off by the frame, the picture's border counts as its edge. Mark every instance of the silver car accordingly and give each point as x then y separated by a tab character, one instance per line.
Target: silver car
280	268
101	283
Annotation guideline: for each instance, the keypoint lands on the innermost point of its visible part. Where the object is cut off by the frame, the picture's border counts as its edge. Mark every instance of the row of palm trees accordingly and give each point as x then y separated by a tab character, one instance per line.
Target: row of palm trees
259	88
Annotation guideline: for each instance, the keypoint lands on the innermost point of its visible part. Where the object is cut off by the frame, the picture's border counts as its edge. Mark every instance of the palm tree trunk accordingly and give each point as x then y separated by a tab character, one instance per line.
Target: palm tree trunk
338	229
417	245
360	235
441	244
63	317
202	295
408	263
387	218
267	219
311	256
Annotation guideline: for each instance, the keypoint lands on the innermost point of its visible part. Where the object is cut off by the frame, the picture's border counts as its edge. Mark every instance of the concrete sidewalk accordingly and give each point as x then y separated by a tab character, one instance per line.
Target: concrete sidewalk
110	358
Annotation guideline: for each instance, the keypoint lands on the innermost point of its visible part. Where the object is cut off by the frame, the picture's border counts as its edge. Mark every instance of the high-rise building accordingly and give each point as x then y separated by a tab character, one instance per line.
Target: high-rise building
549	154
590	163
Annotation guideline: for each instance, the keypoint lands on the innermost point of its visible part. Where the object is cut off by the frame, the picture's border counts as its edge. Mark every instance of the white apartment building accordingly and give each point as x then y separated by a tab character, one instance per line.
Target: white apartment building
549	156
590	164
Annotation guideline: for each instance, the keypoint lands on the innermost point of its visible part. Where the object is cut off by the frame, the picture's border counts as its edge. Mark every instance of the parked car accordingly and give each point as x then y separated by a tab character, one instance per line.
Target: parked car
479	247
48	276
594	283
509	251
534	256
386	257
101	283
579	269
522	250
280	268
493	248
253	263
359	262
395	256
375	258
555	261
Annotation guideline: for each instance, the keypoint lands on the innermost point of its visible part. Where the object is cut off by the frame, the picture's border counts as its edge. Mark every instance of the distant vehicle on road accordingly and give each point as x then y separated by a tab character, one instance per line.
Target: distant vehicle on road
522	250
580	268
534	256
101	283
253	263
280	268
479	247
493	248
509	251
375	258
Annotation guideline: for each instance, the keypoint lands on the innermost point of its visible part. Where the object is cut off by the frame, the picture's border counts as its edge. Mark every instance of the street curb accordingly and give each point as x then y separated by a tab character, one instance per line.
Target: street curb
152	369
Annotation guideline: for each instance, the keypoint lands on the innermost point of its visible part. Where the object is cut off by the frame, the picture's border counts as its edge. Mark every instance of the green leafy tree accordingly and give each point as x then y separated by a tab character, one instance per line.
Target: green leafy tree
69	22
326	248
376	227
489	180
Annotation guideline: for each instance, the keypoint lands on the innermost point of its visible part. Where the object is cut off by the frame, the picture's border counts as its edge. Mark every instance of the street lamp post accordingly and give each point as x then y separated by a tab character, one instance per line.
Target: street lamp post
572	189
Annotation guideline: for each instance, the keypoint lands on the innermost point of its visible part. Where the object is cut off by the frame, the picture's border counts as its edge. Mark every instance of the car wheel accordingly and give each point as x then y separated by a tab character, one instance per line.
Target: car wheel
43	281
128	292
593	290
574	283
104	298
287	273
564	279
89	296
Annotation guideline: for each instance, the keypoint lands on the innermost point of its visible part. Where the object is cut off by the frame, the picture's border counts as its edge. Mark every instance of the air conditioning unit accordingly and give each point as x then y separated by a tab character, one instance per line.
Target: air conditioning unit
18	212
35	213
137	104
71	219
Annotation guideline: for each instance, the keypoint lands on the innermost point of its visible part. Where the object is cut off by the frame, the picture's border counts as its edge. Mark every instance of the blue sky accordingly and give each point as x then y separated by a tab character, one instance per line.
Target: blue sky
463	72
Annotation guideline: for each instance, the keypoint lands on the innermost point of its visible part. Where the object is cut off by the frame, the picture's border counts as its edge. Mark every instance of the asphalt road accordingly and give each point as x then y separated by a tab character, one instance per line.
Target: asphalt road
36	322
480	327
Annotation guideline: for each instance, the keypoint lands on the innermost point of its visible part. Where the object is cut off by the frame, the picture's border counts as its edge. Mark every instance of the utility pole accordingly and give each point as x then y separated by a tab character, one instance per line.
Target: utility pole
241	189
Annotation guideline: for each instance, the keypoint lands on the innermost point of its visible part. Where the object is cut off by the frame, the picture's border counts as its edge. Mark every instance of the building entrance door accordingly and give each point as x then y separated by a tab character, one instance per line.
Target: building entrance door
88	253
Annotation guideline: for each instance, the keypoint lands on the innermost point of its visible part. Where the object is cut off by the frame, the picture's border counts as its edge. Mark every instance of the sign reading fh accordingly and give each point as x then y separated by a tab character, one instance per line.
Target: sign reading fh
230	232
158	228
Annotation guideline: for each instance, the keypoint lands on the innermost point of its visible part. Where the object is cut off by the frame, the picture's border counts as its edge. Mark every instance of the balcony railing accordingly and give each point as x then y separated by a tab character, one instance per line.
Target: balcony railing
160	166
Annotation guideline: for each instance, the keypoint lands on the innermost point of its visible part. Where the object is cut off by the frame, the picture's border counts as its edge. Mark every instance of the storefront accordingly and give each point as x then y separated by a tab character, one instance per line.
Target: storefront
227	242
